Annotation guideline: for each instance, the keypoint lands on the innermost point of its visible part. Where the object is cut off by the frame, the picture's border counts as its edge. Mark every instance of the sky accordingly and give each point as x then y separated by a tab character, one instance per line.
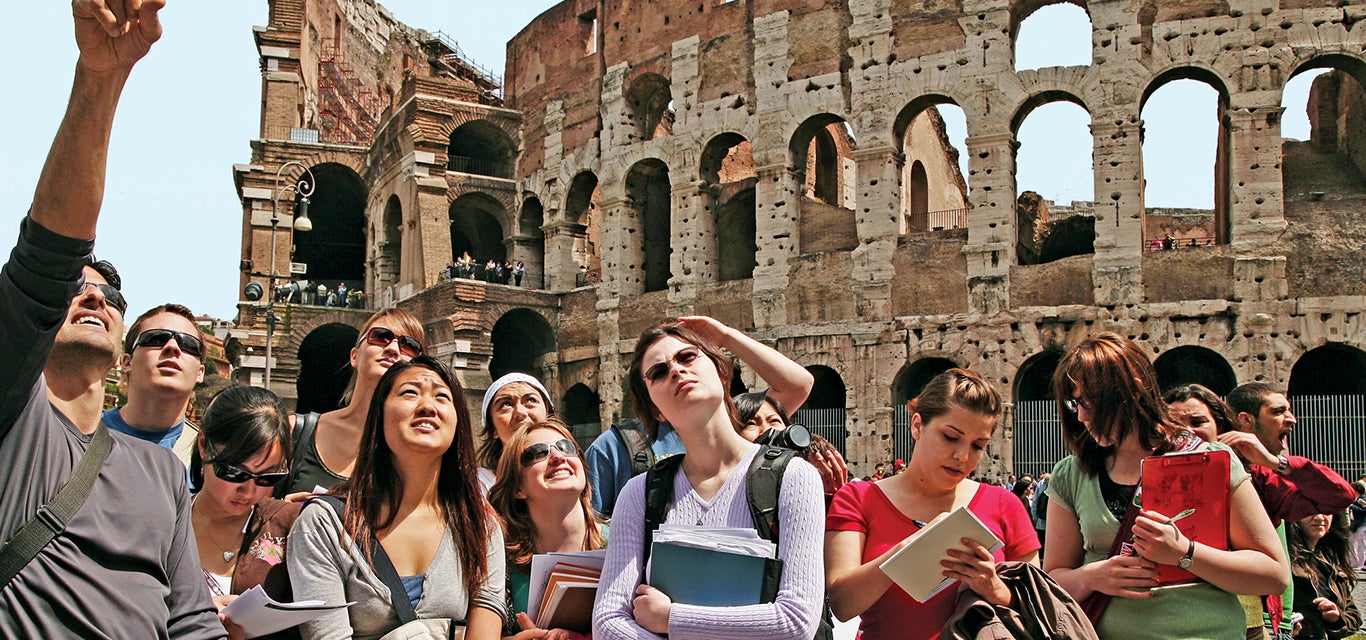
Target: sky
172	221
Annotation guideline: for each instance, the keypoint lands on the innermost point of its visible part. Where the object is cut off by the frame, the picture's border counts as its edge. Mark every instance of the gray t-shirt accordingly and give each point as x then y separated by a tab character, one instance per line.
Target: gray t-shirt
126	566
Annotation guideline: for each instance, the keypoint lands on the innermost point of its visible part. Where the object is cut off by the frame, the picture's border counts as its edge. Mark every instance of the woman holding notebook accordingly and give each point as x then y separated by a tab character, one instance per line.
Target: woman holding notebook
869	522
1113	417
679	374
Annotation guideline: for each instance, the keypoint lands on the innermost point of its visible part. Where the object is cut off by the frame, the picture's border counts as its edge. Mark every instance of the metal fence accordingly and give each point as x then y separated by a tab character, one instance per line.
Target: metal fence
1037	437
586	433
827	423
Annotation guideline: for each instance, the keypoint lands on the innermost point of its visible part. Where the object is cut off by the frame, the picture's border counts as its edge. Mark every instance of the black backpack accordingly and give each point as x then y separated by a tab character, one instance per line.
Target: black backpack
633	438
762	484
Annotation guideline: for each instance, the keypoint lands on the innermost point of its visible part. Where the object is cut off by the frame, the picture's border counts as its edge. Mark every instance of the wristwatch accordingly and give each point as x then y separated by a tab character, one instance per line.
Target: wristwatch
1185	562
1284	467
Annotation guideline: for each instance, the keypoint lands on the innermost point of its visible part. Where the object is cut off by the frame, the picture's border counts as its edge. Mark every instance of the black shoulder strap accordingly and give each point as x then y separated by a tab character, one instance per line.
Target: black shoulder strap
384	567
305	424
52	518
762	485
659	492
642	456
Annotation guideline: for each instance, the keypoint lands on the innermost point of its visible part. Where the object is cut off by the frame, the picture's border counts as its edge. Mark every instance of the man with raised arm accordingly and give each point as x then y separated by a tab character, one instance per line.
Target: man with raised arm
125	564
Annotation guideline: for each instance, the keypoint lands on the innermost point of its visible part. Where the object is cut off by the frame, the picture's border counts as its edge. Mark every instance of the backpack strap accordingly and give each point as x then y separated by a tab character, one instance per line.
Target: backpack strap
52	518
305	425
631	437
762	485
383	566
659	492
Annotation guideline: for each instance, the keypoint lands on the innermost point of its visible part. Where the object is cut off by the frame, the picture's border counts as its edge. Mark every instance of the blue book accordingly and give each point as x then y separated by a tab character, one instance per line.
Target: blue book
713	578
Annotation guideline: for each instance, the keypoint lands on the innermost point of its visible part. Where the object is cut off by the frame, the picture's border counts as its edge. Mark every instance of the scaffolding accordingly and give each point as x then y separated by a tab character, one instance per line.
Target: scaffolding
448	59
350	111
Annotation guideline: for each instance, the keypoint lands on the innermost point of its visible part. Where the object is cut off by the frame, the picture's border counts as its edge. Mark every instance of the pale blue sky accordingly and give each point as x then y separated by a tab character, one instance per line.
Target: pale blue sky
172	222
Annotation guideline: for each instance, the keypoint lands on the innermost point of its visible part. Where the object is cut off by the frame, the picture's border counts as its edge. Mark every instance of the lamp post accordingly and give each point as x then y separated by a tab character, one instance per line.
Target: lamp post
304	188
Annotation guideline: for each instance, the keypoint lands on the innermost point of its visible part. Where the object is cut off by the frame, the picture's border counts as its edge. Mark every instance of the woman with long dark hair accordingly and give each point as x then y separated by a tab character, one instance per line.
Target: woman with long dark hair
680	376
1324	578
1113	418
325	446
952	421
542	496
241	454
412	500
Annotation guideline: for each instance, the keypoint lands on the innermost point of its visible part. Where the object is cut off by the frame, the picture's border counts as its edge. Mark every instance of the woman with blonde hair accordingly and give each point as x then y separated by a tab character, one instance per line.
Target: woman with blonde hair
542	496
325	446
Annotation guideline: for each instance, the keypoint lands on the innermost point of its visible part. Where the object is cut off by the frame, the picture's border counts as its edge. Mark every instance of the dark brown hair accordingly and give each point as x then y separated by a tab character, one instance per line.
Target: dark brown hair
1120	386
956	388
1224	418
640	392
375	490
241	422
519	530
171	308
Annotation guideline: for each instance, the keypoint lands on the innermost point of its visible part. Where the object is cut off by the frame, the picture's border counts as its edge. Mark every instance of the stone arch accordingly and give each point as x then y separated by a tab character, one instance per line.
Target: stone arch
480	147
324	366
649	193
1044	233
1194	364
1034	378
529	247
727	157
523	341
581	208
476	228
334	251
1332	369
915	375
931	175
649	101
1020	24
579	405
819	149
737	244
828	392
1217	228
389	262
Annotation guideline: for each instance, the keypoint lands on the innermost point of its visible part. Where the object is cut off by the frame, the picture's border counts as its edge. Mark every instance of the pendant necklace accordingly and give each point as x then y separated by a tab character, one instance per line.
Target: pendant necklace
228	555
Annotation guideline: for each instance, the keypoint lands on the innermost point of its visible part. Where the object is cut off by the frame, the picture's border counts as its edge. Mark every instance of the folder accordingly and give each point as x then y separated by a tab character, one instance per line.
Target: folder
916	567
1198	480
713	578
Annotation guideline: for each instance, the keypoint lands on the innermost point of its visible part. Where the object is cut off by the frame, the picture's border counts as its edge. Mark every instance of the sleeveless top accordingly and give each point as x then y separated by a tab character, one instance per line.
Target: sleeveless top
307	471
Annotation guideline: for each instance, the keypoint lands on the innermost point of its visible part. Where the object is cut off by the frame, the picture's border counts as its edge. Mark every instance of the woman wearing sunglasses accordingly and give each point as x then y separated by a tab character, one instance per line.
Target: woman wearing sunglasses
325	446
542	496
1113	417
412	510
682	377
513	401
242	453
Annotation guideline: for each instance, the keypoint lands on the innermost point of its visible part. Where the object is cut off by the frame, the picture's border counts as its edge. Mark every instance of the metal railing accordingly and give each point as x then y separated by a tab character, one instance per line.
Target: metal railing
1162	244
937	220
480	167
1038	441
827	423
298	135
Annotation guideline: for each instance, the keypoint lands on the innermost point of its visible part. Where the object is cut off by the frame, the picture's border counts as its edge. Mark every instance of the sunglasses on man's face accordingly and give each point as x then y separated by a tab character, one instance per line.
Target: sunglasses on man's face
157	338
683	357
112	296
541	450
382	337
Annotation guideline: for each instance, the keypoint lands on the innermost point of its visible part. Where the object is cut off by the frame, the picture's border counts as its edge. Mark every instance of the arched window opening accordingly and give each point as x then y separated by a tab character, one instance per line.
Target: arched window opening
824	411
389	266
650	104
324	367
581	208
914	376
727	158
523	342
1053	165
1056	35
1194	365
1330	370
648	188
580	407
736	238
1037	428
530	245
481	148
476	230
1185	165
934	190
822	158
334	251
1327	394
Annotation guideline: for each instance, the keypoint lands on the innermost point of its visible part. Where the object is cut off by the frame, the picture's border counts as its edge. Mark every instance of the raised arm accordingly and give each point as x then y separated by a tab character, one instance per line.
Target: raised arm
112	36
788	382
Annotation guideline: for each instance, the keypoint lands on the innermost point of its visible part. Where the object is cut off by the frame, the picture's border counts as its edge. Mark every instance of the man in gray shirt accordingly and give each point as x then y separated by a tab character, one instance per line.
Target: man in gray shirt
126	565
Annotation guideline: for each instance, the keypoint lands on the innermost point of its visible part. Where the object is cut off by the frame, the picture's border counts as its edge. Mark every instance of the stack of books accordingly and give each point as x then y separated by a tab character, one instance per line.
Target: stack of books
713	566
563	588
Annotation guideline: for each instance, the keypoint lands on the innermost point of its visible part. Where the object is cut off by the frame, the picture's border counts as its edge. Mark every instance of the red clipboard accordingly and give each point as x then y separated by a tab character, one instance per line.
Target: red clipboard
1180	481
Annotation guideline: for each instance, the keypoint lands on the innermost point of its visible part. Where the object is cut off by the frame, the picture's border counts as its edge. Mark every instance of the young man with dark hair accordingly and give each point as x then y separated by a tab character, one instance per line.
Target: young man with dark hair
124	563
163	361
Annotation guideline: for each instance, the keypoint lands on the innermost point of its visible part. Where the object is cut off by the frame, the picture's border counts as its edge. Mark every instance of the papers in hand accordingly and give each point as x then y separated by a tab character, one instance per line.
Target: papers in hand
258	614
713	566
916	567
562	589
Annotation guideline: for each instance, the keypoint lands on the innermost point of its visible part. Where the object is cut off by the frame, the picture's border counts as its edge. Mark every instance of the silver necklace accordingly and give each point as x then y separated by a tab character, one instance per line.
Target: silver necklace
227	554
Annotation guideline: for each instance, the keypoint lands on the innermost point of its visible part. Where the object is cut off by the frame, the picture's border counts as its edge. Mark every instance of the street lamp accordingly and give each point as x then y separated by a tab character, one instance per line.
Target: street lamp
304	188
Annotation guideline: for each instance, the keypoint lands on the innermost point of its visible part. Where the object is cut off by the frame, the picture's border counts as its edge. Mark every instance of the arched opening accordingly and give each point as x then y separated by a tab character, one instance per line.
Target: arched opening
1185	161
727	158
521	339
334	251
1052	35
1037	442
324	367
727	165
737	244
480	148
821	150
389	265
475	229
934	191
1052	166
581	208
579	410
1330	370
650	104
914	376
1194	365
647	187
824	411
530	245
1327	393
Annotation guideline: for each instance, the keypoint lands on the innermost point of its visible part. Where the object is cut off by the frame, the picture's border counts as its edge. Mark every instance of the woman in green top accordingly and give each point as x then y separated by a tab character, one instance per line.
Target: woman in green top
1113	417
542	496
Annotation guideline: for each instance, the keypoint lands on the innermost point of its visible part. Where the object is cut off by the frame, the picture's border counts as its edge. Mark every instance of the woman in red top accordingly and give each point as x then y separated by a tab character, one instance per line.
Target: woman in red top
952	421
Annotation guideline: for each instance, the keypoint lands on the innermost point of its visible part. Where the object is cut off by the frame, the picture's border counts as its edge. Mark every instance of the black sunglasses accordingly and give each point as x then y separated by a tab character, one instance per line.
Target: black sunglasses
111	295
157	338
381	337
684	357
541	450
1075	405
236	475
